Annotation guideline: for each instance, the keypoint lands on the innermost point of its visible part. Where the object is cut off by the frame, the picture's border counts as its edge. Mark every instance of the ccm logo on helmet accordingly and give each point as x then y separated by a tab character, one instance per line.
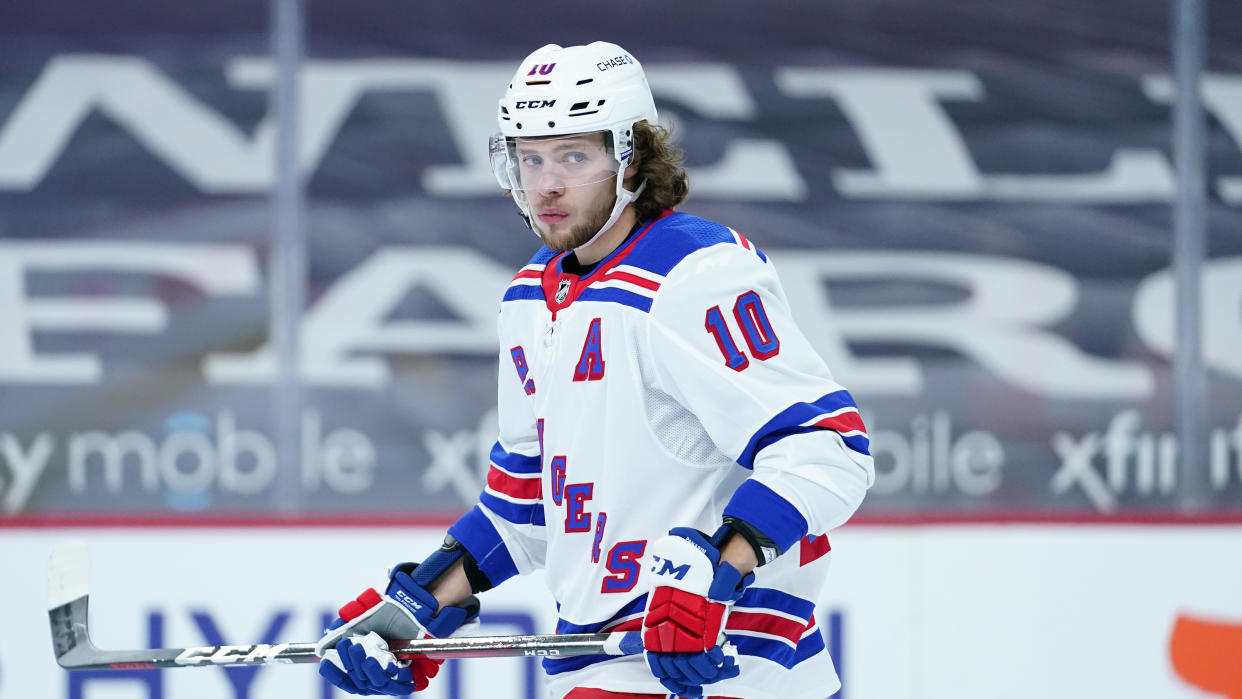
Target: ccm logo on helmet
533	104
623	59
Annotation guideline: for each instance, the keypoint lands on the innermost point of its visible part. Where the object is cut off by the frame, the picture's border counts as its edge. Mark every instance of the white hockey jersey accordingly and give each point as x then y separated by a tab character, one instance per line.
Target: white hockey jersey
667	387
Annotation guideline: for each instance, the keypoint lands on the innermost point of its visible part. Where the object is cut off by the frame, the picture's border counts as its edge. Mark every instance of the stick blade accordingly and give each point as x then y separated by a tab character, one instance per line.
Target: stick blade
68	594
68	574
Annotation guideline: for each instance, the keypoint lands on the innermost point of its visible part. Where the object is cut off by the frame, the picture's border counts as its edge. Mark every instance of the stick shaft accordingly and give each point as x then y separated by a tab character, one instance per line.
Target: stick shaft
76	652
69	598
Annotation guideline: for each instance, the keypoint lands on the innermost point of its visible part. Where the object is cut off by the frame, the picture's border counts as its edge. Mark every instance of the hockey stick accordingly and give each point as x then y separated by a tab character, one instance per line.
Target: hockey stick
68	595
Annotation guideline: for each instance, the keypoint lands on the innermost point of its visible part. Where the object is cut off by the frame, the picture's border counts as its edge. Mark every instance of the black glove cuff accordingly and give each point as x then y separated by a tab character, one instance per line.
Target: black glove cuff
765	549
477	578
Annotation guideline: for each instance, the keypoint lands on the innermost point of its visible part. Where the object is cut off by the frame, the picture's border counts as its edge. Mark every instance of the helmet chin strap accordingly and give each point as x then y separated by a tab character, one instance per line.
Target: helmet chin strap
624	198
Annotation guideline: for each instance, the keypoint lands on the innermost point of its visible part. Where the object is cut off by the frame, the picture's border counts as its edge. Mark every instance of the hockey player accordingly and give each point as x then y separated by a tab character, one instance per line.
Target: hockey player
670	444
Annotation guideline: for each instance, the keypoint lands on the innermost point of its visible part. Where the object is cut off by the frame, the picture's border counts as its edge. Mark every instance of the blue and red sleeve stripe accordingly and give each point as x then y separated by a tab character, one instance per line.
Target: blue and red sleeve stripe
835	411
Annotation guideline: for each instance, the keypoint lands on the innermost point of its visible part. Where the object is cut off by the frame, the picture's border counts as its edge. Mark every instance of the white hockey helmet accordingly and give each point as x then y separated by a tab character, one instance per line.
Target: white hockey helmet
564	91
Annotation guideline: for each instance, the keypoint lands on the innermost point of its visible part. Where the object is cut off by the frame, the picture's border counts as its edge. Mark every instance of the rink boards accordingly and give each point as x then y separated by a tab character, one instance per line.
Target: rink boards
962	611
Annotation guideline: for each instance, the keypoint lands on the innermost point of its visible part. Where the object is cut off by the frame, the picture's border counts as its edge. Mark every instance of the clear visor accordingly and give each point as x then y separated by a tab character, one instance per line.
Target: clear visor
553	162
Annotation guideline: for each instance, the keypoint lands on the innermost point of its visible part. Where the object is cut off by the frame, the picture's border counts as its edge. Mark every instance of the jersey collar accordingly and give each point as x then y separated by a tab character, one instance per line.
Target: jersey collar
560	288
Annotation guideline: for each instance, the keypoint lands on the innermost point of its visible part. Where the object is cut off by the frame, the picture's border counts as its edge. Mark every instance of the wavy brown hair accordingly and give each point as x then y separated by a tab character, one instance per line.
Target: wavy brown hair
661	164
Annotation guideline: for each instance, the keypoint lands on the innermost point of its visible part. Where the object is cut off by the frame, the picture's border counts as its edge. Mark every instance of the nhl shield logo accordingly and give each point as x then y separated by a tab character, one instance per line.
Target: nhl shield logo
562	291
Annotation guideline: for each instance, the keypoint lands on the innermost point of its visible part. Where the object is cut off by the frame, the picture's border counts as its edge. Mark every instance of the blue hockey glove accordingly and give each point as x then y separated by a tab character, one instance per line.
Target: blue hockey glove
406	611
684	674
692	593
364	665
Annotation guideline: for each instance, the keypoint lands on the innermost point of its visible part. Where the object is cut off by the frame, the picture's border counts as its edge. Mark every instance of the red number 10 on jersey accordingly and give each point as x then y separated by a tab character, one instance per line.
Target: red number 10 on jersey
752	318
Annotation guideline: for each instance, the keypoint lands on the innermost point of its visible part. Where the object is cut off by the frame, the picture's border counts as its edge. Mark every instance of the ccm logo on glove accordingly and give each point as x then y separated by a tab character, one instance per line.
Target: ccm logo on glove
669	567
409	602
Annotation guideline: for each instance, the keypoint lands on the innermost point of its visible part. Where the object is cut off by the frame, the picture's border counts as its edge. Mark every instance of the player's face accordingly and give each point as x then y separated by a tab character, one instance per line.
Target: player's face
570	185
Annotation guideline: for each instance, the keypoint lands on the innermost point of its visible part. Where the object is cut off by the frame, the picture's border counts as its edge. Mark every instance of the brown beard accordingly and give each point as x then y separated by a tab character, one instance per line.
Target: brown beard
582	233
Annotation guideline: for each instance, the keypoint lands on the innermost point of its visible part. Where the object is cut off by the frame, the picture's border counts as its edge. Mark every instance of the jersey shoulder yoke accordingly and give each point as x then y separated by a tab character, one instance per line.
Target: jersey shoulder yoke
676	236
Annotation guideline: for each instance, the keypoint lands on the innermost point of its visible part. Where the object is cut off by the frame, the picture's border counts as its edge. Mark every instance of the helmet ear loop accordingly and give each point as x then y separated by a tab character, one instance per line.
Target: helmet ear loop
622	177
624	198
626	195
624	142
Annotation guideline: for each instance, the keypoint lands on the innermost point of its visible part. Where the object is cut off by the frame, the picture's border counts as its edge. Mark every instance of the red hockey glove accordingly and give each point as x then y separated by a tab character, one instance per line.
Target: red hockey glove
692	593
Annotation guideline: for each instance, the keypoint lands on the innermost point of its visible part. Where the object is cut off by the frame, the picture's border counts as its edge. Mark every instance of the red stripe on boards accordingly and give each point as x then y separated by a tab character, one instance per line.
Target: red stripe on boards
372	519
